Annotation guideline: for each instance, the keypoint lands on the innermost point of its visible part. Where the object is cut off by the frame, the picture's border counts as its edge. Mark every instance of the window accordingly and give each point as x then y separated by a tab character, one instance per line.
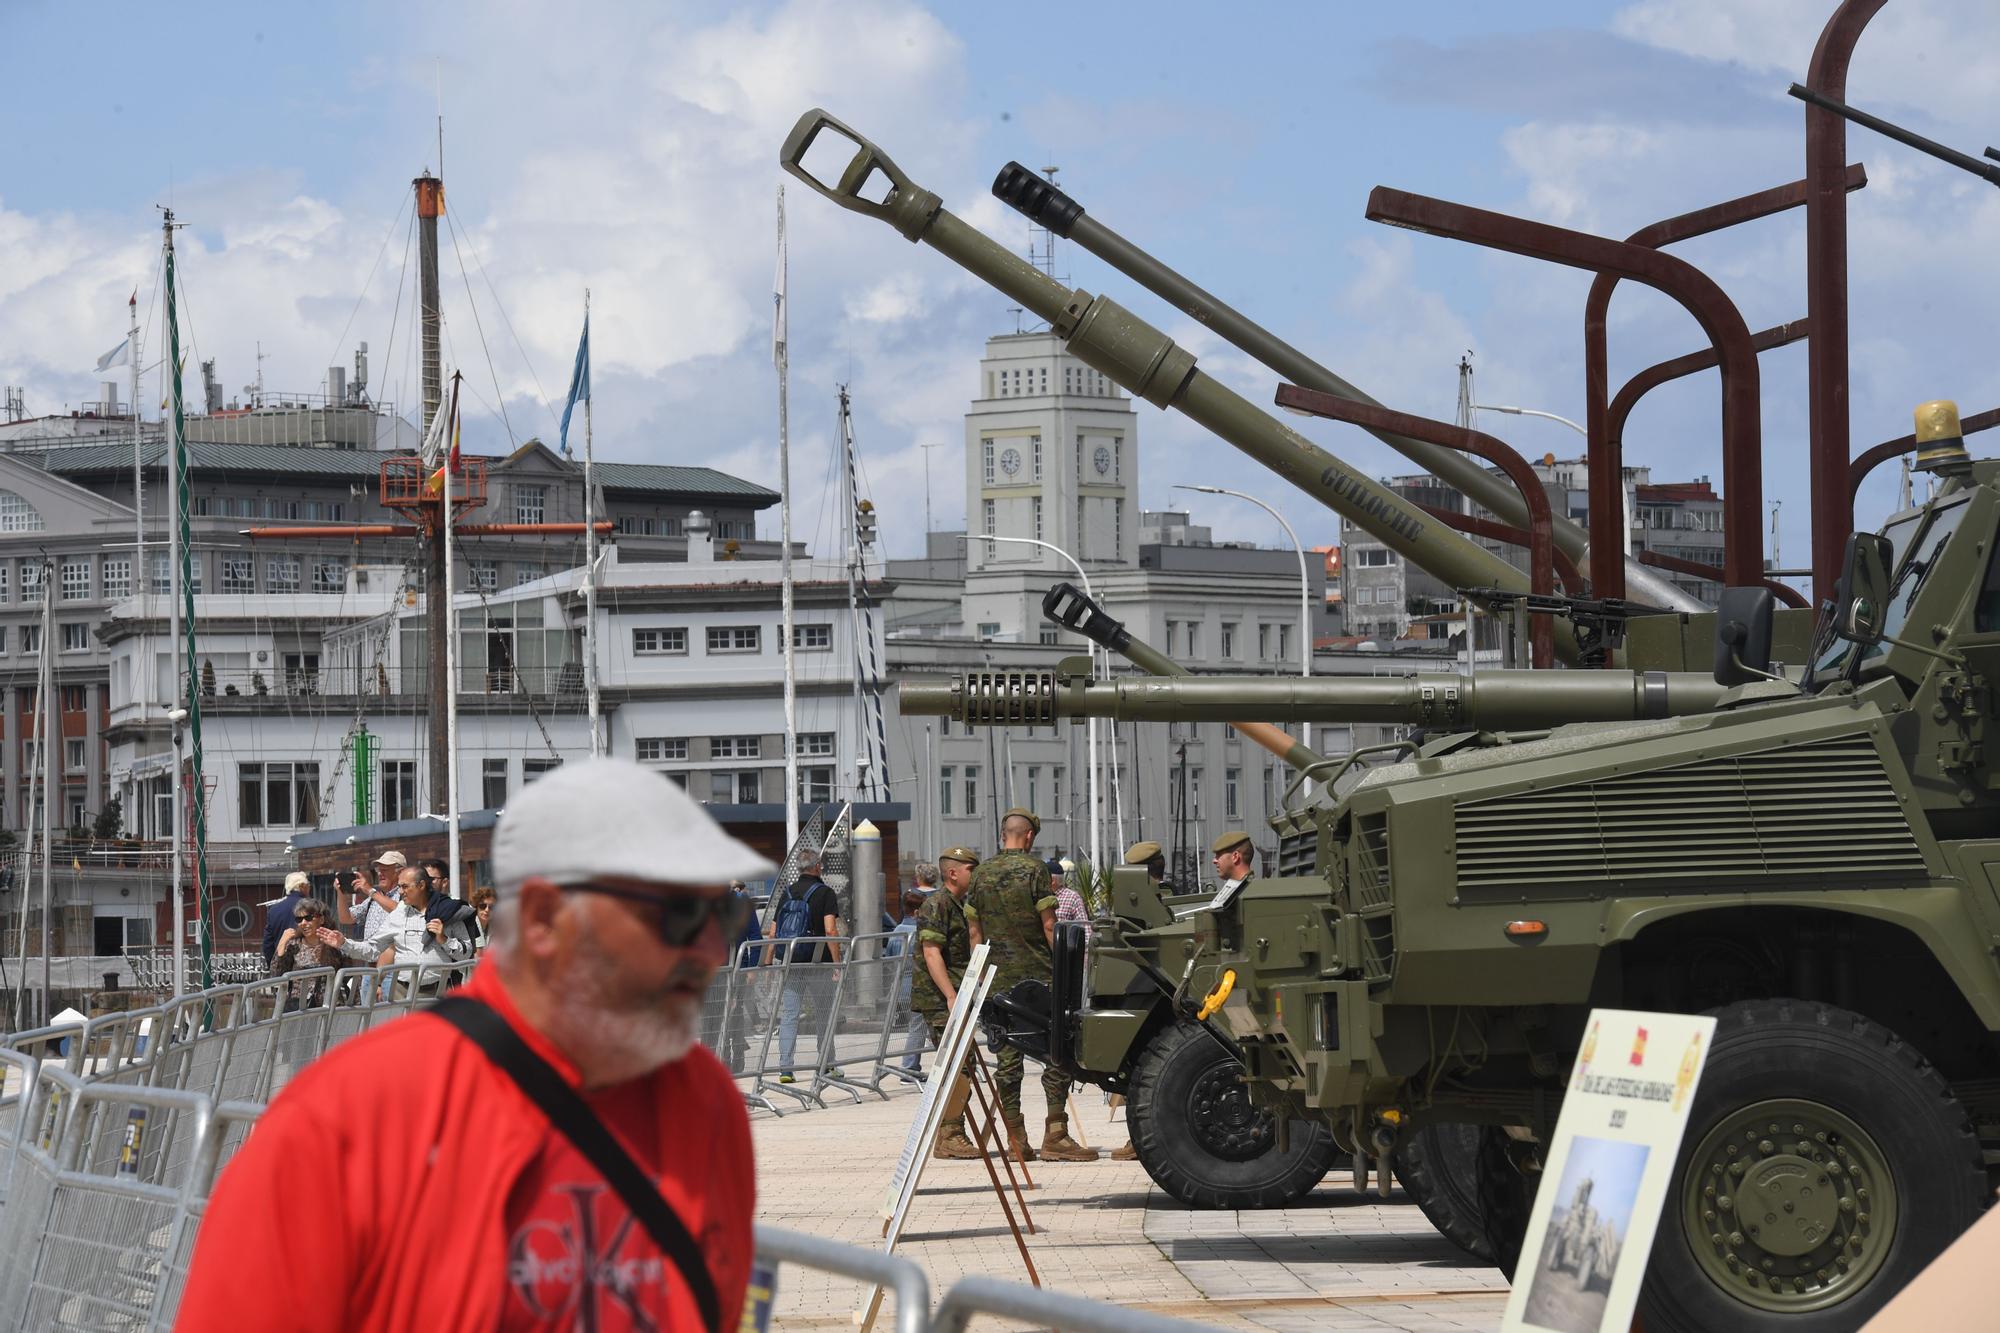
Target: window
162	575
31	580
989	629
281	574
1049	633
1173	632
4	568
1375	557
735	638
1038	517
301	673
1229	628
17	515
526	573
74	698
1284	642
1117	527
286	795
986	514
73	754
76	580
735	747
1034	785
1035	462
816	744
679	779
535	768
530	503
1194	638
812	638
658	639
1194	793
945	776
1055	787
31	638
740	787
492	783
399	789
485	575
3	638
986	460
239	574
816	785
1263	643
75	638
329	576
1232	796
117	577
661	749
972	789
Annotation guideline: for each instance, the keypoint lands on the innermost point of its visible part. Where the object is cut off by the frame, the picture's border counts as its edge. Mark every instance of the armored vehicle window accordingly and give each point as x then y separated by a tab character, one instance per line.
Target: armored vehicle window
1937	526
1986	616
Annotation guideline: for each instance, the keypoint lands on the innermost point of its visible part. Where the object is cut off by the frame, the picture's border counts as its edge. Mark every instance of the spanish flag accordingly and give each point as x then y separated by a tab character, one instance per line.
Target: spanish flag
435	485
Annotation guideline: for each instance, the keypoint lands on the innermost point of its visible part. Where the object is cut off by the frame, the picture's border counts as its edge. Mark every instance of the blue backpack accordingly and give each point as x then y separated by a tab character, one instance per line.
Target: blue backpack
795	922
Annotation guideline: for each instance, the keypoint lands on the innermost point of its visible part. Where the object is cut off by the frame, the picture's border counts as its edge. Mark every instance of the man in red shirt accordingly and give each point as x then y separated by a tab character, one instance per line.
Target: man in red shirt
431	1191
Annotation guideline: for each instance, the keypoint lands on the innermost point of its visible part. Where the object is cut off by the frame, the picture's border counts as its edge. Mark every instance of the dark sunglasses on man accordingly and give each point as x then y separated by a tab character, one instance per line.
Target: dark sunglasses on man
679	918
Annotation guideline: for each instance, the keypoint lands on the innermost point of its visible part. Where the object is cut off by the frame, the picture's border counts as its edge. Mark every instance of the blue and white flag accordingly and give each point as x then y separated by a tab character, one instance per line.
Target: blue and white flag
579	383
118	356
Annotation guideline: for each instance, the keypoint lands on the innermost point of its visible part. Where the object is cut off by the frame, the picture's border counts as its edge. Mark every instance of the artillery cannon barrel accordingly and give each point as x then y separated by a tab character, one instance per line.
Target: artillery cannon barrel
1489	701
1147	363
1065	605
1042	202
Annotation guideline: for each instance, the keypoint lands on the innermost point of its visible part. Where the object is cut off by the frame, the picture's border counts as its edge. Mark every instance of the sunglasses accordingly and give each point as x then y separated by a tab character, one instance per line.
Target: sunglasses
679	919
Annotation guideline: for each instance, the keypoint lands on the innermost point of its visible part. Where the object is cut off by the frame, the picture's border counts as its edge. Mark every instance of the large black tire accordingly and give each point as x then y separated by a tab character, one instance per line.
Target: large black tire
1895	1179
1202	1141
1438	1166
1506	1180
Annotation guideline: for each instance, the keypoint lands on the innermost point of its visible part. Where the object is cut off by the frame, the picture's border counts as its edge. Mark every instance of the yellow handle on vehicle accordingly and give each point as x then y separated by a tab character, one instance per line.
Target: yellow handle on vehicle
1218	995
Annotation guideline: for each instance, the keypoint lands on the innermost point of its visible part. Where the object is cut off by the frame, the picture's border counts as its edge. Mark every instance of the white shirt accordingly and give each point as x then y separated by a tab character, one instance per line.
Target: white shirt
406	931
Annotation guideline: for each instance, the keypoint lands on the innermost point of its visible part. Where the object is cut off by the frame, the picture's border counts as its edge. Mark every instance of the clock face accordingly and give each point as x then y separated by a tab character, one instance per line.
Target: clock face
1103	459
1010	462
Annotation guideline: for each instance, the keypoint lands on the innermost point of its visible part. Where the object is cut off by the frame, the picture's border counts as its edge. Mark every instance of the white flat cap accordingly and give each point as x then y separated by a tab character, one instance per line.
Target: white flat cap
613	819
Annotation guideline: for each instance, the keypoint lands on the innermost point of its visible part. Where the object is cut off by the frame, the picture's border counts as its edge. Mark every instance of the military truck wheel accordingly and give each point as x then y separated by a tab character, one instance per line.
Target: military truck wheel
1825	1164
1506	1180
1200	1138
1438	1166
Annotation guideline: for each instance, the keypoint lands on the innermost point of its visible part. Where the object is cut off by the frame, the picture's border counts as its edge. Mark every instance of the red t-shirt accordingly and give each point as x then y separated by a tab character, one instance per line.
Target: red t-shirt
434	1196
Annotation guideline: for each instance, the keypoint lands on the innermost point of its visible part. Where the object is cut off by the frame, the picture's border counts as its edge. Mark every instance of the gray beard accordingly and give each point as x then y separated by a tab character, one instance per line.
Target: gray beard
621	1037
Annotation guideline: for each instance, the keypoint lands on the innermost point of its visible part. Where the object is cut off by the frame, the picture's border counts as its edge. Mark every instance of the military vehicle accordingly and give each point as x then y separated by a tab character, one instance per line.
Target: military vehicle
1808	853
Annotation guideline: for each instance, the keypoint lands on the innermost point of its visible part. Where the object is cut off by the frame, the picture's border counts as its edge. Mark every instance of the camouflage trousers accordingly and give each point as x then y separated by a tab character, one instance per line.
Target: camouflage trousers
1008	1073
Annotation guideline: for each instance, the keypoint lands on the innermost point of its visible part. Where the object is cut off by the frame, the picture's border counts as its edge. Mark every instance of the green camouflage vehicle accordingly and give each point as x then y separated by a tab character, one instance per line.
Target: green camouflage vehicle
1810	854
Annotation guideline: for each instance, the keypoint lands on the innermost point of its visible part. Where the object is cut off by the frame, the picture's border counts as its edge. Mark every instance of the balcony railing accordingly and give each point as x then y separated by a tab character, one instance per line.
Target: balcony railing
288	686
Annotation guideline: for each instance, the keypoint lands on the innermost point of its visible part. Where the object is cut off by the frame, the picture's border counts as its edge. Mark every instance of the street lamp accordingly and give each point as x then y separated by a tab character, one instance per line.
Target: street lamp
1305	591
1090	724
1530	412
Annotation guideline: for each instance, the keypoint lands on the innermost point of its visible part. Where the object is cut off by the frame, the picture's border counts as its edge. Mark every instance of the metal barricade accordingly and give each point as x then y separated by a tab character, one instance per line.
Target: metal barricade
856	1041
18	1074
1045	1309
798	992
86	1237
912	1289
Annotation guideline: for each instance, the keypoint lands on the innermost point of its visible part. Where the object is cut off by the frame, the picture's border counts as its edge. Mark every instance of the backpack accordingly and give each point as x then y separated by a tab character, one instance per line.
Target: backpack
795	922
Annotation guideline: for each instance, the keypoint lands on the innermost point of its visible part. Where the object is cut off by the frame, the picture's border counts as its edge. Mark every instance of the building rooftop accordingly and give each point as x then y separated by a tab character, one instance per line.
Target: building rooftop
653	479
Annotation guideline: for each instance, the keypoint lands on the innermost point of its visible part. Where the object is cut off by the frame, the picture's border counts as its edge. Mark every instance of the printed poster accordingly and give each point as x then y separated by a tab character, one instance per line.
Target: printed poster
1607	1173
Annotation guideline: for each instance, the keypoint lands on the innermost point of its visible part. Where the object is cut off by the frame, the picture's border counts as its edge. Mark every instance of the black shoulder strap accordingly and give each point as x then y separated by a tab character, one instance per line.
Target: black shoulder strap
578	1123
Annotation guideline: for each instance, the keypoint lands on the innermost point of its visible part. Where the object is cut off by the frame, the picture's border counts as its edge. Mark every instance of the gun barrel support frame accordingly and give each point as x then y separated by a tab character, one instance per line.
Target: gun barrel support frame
1147	363
1494	700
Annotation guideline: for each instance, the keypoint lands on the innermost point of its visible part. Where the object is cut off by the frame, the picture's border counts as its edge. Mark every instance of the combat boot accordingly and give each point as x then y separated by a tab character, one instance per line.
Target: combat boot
1058	1146
953	1144
1017	1141
1128	1153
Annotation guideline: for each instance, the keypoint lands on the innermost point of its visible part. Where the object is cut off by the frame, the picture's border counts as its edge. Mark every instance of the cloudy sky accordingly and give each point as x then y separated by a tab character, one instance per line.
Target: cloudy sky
632	148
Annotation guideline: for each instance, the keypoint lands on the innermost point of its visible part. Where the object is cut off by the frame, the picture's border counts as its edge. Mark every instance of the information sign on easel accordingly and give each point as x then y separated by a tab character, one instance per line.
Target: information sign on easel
1606	1178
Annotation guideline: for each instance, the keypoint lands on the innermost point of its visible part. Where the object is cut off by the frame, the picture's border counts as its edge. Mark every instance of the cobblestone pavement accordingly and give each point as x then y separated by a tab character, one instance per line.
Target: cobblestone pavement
1336	1260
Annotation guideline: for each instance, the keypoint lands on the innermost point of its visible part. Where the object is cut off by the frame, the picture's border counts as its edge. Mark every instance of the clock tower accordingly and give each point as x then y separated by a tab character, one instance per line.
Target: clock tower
1051	452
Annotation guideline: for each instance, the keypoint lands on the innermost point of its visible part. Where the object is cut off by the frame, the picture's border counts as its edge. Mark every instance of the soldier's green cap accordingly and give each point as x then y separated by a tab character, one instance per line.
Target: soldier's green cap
965	854
1029	815
1141	852
1231	839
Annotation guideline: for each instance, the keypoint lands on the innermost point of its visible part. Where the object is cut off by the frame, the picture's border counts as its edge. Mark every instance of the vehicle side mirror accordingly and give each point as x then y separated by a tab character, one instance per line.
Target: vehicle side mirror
1743	635
1861	602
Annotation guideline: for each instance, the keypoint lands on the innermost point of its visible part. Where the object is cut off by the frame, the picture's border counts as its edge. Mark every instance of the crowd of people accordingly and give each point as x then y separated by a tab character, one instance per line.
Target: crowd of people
400	914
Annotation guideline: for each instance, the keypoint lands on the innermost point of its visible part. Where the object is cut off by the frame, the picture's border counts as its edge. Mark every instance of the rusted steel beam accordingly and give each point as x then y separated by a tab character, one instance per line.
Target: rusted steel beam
1567	573
1652	377
1696	569
1742	479
1870	459
1541	535
1826	293
1607	466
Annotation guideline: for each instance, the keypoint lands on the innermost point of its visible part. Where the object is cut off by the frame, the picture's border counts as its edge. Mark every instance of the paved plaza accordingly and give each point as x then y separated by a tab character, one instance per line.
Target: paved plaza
1336	1260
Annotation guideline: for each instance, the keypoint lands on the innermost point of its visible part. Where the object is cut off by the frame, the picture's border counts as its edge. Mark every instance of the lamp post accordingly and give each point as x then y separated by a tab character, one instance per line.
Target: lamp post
1305	590
1090	724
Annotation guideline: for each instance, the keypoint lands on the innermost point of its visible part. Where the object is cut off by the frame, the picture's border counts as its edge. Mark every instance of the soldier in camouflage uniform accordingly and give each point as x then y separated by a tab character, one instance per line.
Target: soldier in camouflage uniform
944	947
1013	909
